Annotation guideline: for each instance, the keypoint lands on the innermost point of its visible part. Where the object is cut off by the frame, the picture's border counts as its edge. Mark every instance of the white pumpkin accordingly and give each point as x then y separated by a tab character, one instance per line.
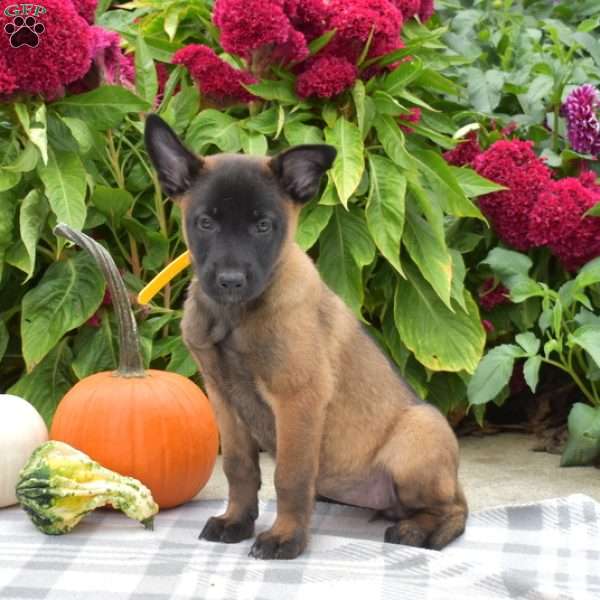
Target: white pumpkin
22	430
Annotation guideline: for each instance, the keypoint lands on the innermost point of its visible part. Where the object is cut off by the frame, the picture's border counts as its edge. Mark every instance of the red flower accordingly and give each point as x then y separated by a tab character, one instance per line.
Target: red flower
557	221
487	325
426	10
354	21
325	77
86	8
249	25
95	320
589	180
309	17
408	8
218	80
414	116
514	165
63	54
8	83
492	294
465	152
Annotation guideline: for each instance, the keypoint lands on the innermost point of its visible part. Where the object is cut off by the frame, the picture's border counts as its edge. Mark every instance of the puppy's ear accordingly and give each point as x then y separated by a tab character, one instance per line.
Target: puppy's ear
175	164
299	169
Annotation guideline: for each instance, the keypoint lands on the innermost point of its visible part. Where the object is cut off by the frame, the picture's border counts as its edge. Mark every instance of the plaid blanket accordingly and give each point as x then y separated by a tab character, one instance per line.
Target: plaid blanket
538	551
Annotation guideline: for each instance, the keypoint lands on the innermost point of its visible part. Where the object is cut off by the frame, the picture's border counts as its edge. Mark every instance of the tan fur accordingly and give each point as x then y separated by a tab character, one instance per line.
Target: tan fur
331	408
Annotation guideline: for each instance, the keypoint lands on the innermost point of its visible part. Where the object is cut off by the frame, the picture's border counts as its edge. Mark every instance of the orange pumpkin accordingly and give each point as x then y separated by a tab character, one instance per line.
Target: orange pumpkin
153	425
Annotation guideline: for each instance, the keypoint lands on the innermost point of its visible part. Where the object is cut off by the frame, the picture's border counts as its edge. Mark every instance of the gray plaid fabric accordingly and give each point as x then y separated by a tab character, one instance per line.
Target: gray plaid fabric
548	550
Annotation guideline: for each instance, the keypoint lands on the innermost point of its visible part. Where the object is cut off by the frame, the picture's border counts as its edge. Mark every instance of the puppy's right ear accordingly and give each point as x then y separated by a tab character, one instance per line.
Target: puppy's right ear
176	166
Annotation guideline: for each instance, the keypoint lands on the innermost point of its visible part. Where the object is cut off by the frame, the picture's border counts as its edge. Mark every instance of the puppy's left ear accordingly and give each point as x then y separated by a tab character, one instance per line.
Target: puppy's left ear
300	168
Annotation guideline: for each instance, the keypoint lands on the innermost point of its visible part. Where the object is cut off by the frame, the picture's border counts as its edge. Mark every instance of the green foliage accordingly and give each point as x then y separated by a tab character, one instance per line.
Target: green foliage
566	335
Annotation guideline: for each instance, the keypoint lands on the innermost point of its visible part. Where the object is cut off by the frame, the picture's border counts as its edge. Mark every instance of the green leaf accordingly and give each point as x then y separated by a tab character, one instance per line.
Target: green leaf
529	342
583	445
485	89
67	295
26	161
297	133
440	339
32	218
264	122
182	108
385	207
3	339
392	140
531	371
281	91
589	274
345	247
320	42
64	182
45	386
506	263
459	271
588	337
146	83
358	97
436	169
103	107
253	143
594	211
112	202
348	167
38	131
95	350
313	219
493	373
214	127
8	179
181	360
429	253
472	184
171	22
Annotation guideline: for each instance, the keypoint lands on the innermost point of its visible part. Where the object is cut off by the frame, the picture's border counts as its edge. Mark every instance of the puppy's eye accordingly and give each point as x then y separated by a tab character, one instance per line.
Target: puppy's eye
205	223
264	226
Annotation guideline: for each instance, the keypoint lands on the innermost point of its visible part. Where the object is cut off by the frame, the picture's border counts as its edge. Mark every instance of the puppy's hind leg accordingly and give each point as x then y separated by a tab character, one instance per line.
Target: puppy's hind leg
422	458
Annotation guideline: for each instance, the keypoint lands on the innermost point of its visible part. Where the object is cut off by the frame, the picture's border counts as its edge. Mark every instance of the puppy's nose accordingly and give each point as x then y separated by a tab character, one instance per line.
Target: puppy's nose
231	280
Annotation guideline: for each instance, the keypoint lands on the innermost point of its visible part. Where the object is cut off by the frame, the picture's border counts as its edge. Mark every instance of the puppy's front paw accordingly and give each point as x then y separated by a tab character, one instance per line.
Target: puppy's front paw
218	529
273	545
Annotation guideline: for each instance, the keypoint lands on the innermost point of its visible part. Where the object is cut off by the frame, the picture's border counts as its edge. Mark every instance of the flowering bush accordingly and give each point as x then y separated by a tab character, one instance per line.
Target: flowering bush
247	76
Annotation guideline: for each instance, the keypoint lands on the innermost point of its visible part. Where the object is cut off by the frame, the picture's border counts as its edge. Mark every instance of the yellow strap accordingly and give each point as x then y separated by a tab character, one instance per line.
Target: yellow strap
169	272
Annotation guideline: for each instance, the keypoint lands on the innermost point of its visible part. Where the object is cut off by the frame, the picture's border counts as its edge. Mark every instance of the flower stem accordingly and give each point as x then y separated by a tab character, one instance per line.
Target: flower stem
575	377
130	358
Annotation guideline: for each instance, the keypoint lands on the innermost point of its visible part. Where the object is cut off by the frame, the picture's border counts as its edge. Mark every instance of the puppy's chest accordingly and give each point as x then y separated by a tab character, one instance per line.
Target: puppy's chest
236	369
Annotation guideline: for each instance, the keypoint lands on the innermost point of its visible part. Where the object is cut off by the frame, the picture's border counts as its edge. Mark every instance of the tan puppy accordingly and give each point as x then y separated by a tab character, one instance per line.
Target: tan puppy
288	367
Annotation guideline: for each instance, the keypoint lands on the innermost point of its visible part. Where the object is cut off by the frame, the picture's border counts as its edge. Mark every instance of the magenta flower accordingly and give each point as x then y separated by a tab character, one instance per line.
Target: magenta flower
325	77
465	152
63	53
249	26
8	83
492	294
581	112
309	17
86	9
217	80
354	21
557	221
515	165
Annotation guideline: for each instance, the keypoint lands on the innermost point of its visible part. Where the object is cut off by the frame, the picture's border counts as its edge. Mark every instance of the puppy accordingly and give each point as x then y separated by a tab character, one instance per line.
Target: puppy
288	367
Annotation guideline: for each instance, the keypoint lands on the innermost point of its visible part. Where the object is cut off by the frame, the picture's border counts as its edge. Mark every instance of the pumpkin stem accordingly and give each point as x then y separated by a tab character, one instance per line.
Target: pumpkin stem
130	358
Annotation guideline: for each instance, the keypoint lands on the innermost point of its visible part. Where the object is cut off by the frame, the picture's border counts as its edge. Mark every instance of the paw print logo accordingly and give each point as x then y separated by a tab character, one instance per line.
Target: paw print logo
24	32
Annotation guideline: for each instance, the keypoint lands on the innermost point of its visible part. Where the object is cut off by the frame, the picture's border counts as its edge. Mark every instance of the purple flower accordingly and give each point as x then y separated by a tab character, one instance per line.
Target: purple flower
581	111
